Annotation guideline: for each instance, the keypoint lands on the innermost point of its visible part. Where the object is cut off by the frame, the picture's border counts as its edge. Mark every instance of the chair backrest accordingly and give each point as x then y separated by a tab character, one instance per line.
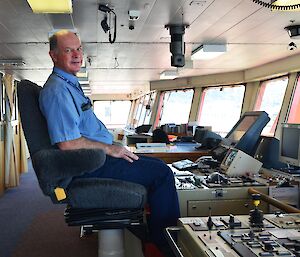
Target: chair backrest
33	122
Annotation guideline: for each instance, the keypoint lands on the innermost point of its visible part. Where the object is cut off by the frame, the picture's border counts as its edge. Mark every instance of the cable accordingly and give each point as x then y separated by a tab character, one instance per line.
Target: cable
107	10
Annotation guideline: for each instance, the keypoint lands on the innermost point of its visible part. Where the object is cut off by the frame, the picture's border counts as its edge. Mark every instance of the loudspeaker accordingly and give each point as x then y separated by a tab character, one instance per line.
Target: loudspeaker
177	45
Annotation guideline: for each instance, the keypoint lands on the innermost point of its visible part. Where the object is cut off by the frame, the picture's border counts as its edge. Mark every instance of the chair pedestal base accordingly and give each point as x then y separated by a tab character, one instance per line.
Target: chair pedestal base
111	243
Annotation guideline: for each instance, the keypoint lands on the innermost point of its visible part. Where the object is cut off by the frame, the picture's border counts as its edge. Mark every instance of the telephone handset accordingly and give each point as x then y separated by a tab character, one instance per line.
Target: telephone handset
206	162
203	158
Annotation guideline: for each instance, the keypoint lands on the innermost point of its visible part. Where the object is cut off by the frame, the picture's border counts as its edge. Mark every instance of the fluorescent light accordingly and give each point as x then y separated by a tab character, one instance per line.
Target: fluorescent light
169	74
206	52
12	62
51	6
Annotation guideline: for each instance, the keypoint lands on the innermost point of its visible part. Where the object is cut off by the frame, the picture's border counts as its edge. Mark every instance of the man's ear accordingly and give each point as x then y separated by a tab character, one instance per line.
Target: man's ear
53	55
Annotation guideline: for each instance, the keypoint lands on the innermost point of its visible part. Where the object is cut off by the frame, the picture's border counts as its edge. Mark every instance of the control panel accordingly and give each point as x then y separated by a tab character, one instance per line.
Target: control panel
252	235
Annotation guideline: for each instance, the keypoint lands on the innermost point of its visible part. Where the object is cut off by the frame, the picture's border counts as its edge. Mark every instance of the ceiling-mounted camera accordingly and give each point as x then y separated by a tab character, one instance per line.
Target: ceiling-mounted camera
292	46
131	26
133	15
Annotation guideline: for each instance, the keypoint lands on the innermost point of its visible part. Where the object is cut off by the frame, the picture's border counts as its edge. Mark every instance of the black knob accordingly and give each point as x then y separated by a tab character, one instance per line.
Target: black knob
209	223
255	196
231	218
269	247
297	247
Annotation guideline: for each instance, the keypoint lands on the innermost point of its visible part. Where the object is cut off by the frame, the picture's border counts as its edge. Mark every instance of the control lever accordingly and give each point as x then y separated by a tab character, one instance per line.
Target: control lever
231	221
209	223
256	215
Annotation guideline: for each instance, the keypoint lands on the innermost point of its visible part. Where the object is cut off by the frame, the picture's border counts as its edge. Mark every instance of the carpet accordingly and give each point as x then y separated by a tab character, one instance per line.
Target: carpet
49	236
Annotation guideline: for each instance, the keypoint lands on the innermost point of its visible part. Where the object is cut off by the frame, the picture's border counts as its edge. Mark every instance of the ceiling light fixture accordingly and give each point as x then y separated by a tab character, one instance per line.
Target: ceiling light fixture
106	26
293	31
206	52
169	74
51	6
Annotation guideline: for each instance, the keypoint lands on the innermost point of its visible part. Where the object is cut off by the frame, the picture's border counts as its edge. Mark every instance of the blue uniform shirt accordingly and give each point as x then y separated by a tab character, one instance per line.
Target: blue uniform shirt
61	101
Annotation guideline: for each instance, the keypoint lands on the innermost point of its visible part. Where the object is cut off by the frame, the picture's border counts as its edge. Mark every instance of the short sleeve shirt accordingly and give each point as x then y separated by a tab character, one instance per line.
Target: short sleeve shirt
61	101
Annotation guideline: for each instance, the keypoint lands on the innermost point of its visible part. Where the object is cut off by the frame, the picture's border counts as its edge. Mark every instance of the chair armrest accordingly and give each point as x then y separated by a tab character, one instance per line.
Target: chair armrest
56	168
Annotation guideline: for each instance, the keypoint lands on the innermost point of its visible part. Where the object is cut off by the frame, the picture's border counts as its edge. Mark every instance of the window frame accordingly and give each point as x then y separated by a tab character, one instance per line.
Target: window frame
295	93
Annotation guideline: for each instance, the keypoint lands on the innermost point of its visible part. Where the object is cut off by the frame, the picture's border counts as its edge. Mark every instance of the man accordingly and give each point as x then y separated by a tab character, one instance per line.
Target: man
72	124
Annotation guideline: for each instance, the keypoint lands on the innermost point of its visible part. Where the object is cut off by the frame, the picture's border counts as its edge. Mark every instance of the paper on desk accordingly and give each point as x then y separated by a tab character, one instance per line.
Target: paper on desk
151	145
151	150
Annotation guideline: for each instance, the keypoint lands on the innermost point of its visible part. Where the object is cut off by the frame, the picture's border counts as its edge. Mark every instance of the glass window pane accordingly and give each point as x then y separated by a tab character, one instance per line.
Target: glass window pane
294	113
270	99
221	107
176	106
113	114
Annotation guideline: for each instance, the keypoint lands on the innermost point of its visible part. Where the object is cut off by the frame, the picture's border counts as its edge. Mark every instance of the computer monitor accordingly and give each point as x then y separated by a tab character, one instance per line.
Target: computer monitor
206	138
267	153
289	148
246	132
145	128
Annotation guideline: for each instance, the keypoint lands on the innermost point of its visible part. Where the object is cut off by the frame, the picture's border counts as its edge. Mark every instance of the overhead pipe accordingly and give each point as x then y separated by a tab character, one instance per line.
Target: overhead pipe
282	206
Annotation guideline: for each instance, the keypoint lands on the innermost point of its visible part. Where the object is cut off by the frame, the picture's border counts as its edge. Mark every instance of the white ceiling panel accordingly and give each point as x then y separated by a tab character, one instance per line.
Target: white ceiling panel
254	35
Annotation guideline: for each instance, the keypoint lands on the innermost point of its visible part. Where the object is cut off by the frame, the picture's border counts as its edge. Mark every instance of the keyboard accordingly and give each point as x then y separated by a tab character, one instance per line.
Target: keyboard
185	165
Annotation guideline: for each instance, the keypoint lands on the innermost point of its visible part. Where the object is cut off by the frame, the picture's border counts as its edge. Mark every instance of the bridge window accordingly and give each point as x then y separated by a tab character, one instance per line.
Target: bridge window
175	106
144	108
269	99
220	107
148	106
294	113
113	114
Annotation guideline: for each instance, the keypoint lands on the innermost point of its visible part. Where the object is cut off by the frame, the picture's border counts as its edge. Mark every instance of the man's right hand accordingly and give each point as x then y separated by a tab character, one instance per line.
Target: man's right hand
121	152
112	150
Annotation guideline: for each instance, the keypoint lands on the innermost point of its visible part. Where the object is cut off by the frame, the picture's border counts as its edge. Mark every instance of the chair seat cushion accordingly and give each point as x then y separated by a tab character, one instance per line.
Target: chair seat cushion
106	194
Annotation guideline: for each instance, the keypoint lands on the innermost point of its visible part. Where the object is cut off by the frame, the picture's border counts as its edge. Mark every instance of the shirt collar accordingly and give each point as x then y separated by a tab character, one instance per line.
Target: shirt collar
73	79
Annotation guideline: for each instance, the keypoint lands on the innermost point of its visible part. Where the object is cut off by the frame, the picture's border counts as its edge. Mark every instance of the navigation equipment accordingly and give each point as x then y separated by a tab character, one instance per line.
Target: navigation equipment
245	133
237	163
289	148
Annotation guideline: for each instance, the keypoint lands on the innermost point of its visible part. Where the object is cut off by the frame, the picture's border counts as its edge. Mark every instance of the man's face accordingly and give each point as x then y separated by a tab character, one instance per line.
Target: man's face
68	55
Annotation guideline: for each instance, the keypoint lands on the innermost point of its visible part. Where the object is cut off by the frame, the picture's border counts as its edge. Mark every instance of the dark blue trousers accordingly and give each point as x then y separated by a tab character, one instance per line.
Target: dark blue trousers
158	179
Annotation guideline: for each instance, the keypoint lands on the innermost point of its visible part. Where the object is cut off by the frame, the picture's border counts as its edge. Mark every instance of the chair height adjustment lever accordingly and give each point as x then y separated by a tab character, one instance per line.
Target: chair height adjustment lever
60	193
